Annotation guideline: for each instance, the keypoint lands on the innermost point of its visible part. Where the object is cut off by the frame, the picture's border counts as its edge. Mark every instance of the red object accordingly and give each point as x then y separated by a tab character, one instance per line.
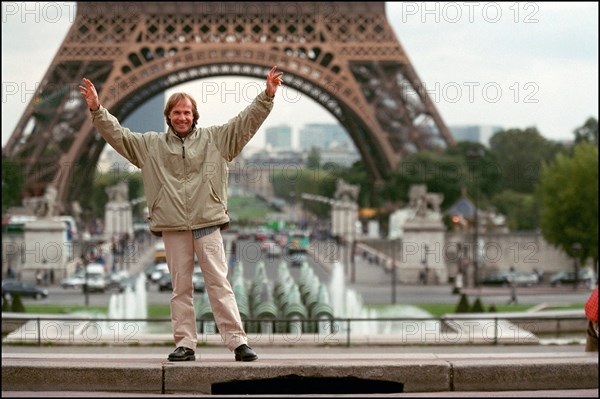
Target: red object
591	306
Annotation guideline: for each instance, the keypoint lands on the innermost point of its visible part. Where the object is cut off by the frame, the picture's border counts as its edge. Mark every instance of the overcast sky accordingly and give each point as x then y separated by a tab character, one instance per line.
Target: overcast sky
513	64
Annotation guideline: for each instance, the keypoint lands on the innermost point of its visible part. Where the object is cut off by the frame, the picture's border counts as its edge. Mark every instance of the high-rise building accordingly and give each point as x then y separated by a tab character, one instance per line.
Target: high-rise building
476	133
279	137
324	136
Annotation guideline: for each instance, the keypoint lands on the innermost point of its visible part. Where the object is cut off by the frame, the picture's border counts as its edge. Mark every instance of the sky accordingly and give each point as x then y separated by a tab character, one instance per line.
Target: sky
506	64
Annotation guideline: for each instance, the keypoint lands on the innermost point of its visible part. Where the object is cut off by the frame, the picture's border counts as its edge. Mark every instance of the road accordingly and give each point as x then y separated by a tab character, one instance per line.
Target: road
372	283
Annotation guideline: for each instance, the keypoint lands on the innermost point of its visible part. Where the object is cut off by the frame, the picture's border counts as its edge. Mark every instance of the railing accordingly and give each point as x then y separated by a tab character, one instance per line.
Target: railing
450	330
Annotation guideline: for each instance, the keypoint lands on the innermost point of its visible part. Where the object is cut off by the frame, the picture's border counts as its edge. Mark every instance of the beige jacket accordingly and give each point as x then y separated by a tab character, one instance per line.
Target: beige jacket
185	183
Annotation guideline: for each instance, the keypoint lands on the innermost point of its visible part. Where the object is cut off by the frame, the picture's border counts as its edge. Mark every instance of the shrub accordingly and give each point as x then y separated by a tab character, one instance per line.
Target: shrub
17	304
6	303
477	307
463	304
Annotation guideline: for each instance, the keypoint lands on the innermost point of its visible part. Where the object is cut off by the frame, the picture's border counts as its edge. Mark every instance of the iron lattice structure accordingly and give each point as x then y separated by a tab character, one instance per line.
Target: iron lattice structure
345	56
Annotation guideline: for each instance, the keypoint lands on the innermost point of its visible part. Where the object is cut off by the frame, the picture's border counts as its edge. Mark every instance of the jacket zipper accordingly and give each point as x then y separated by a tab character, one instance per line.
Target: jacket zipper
182	145
182	139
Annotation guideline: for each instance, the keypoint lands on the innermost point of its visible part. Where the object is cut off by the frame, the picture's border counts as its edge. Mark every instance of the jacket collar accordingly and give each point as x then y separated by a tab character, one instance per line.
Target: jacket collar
172	133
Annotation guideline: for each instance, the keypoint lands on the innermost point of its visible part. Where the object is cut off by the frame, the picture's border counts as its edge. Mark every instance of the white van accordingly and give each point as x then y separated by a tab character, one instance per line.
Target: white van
95	279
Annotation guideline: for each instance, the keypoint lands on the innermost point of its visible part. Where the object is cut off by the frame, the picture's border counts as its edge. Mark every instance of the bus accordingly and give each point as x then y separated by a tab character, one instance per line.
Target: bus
298	241
160	255
297	247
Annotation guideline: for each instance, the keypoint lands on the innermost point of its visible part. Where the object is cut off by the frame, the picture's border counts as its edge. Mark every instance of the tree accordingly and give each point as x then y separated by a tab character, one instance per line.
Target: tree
357	174
12	183
441	173
313	160
519	155
587	132
483	169
291	184
521	210
568	194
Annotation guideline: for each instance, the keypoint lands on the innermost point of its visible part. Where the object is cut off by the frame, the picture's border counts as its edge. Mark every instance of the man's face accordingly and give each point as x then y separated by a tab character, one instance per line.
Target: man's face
182	117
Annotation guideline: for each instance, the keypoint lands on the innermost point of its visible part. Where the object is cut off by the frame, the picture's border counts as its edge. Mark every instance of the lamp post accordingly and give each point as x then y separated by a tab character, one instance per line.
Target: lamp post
576	249
344	234
394	264
425	265
352	251
476	154
86	290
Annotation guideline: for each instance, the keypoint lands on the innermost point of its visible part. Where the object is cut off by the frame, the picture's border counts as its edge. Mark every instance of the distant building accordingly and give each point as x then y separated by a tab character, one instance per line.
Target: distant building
279	137
325	136
475	133
339	156
254	173
110	160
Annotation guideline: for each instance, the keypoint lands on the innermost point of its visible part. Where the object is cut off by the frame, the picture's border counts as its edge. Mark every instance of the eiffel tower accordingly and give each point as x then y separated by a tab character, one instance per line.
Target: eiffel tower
345	56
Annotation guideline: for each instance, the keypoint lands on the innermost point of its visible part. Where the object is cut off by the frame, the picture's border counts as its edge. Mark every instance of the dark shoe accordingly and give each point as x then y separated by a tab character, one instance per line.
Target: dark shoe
182	354
245	353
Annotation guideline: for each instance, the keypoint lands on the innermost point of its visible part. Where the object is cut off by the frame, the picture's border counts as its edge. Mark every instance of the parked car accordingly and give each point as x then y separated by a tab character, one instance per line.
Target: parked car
129	281
198	280
115	280
586	277
23	288
94	283
524	279
74	281
271	248
501	279
505	279
148	270
158	271
297	257
262	234
165	283
95	280
245	234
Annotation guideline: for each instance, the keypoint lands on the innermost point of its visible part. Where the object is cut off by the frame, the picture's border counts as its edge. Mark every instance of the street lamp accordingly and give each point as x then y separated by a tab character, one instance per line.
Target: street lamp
476	154
425	264
576	249
394	265
352	250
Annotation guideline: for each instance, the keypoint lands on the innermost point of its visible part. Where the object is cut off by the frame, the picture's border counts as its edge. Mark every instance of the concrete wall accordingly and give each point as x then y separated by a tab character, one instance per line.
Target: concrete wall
524	251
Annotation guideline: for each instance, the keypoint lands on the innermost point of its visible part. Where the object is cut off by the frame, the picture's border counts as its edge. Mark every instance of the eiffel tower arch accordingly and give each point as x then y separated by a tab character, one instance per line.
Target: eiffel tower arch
345	56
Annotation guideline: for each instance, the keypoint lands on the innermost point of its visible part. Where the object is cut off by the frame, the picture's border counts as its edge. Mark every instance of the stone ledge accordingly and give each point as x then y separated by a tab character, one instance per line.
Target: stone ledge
417	373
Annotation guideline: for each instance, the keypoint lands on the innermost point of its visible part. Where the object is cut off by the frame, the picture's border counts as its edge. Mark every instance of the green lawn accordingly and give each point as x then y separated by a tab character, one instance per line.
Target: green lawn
162	311
154	311
248	210
439	309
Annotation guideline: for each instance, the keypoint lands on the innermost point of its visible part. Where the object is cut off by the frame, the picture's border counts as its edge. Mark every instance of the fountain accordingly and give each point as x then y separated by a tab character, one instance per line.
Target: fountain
130	304
347	303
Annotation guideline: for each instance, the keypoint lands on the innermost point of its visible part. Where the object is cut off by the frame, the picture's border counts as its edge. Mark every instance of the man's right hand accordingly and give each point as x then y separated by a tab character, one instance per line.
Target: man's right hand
90	95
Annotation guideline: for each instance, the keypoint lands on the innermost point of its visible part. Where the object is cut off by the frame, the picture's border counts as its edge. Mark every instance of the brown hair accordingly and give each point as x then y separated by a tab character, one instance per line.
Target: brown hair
174	99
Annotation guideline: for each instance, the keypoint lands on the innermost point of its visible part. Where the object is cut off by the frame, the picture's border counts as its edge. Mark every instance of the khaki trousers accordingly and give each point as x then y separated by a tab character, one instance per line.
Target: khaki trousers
180	247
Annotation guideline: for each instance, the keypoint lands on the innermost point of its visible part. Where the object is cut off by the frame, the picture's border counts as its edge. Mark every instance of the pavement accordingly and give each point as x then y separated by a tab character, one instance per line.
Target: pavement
308	365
